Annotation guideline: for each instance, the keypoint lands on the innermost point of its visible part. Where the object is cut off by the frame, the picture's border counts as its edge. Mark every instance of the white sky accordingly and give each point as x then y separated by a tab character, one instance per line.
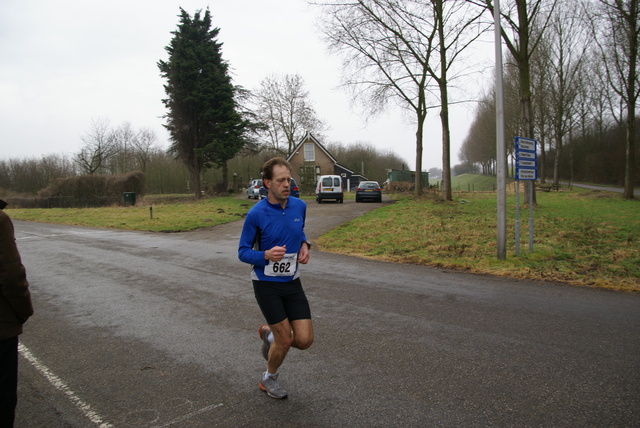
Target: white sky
64	63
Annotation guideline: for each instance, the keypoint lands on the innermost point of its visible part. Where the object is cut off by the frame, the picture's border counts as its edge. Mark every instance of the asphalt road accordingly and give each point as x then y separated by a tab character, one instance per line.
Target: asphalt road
636	192
137	329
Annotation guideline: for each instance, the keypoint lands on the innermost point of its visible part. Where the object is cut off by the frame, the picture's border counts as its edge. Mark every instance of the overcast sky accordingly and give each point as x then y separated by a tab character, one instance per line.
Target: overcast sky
64	63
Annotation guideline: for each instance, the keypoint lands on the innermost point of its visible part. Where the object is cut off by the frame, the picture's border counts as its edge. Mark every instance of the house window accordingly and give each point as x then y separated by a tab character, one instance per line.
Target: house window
309	152
307	175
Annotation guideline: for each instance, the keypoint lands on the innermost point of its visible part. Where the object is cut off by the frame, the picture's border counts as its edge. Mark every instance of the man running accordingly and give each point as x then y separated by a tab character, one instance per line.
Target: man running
273	241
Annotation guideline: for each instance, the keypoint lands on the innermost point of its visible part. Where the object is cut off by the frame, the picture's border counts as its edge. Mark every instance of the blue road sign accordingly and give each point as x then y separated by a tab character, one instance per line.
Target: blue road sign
526	160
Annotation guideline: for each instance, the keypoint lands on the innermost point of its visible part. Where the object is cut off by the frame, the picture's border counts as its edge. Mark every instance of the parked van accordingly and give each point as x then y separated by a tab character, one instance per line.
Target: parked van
329	187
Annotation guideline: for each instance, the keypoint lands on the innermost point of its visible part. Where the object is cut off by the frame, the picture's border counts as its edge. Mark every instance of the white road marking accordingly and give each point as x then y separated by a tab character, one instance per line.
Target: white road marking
61	386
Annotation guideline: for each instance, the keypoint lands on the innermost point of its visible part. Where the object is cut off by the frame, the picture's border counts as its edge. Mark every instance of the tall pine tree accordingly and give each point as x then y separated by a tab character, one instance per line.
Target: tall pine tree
203	119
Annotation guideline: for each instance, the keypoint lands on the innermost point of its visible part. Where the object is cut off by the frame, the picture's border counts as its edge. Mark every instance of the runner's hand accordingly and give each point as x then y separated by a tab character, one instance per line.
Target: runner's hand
275	254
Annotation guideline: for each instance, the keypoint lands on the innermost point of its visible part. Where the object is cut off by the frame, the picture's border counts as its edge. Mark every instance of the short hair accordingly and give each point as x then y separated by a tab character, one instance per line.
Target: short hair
267	168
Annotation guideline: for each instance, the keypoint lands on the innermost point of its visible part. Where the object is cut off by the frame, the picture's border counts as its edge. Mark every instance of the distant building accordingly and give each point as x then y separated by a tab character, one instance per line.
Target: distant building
310	159
406	176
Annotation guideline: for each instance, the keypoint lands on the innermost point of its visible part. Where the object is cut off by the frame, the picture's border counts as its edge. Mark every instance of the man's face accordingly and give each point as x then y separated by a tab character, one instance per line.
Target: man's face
279	185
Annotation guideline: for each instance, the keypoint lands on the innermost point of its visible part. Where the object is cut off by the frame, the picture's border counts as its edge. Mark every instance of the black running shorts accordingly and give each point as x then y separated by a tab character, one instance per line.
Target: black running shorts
281	300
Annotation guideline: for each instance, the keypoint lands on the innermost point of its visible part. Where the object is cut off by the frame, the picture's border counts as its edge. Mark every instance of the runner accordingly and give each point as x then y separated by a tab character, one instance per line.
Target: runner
274	243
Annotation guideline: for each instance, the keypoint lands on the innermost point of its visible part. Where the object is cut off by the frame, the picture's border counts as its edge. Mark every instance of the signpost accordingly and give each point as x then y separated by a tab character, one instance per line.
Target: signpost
526	169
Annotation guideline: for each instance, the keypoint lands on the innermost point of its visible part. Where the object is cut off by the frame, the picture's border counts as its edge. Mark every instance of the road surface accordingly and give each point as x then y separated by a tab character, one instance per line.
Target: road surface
636	192
136	329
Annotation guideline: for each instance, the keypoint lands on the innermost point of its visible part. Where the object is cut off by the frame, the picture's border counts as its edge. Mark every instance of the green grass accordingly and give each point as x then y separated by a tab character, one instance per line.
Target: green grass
174	213
581	237
469	183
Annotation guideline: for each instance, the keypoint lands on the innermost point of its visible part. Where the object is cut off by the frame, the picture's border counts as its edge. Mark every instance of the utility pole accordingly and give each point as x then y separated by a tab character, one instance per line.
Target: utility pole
500	147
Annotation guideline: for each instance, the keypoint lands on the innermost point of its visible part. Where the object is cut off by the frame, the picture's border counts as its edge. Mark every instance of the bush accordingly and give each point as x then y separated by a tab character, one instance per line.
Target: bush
84	191
96	185
400	187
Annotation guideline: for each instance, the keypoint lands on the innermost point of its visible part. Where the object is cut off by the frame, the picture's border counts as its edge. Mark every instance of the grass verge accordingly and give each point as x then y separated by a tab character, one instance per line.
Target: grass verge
585	238
170	214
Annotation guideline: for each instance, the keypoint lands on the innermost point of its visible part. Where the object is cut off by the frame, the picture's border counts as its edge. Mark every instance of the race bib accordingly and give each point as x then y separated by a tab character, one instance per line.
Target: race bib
285	267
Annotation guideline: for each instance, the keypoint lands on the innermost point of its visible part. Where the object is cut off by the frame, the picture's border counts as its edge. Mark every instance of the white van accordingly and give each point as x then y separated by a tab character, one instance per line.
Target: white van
329	187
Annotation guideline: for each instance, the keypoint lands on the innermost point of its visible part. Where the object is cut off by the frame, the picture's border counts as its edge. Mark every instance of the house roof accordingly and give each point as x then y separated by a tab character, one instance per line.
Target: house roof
343	167
309	136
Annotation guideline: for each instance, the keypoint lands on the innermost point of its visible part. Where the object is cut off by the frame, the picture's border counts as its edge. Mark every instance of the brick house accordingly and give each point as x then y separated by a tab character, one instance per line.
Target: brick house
310	159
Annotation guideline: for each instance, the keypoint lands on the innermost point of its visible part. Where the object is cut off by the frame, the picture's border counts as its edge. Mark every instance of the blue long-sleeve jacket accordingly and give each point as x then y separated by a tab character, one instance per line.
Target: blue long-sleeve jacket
268	225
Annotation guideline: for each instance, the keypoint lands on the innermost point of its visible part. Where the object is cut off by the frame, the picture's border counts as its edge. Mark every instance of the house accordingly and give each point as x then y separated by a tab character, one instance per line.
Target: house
310	159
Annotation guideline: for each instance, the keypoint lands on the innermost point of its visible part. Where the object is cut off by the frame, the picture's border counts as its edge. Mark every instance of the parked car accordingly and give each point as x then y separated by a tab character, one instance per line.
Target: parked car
263	192
329	187
253	191
368	190
294	190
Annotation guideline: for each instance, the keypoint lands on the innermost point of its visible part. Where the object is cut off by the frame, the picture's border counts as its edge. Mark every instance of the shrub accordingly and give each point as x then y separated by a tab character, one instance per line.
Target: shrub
96	185
84	191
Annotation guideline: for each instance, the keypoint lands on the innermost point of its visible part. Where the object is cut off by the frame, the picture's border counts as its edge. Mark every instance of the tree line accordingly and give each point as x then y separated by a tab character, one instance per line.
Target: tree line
578	99
400	52
164	174
413	53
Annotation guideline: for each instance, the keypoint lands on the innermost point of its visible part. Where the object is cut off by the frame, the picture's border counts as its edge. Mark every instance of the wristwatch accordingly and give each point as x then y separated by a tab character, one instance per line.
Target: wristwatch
308	243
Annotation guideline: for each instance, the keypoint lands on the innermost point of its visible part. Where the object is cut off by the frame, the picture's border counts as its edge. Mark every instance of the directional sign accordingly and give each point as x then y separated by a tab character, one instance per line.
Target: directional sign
526	163
526	144
525	155
526	174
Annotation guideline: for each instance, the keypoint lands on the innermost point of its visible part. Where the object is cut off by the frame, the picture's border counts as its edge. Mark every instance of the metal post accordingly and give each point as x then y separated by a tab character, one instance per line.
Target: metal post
531	217
500	146
517	183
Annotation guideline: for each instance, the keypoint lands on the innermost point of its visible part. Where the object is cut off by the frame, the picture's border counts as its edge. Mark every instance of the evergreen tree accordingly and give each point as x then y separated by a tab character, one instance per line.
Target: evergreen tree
203	120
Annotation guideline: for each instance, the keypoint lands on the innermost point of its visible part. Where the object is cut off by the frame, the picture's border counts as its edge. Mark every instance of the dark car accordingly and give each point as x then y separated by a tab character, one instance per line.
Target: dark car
294	190
368	190
263	192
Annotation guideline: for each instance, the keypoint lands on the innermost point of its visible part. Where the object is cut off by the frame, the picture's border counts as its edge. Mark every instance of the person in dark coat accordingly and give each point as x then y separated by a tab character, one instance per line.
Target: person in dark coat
15	309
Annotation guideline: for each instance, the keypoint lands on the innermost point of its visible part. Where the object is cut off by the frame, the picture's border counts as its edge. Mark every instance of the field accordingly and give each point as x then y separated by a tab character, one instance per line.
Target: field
585	238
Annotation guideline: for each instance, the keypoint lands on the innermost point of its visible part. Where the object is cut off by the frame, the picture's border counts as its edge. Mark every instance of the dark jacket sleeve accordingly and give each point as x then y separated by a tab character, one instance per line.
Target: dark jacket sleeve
15	299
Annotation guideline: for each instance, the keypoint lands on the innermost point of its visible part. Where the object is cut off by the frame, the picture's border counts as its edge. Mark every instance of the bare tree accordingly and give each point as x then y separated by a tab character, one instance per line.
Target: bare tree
480	144
599	97
616	29
566	56
284	106
522	38
142	147
394	48
366	159
124	138
454	20
98	149
386	48
540	102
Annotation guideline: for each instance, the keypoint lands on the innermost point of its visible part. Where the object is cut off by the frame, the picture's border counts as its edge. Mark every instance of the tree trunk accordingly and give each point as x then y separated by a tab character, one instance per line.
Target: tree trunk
446	153
632	78
629	170
418	180
195	176
556	163
225	176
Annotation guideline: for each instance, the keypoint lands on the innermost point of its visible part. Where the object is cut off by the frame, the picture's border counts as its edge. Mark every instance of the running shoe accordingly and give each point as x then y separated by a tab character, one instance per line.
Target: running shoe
271	387
264	331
